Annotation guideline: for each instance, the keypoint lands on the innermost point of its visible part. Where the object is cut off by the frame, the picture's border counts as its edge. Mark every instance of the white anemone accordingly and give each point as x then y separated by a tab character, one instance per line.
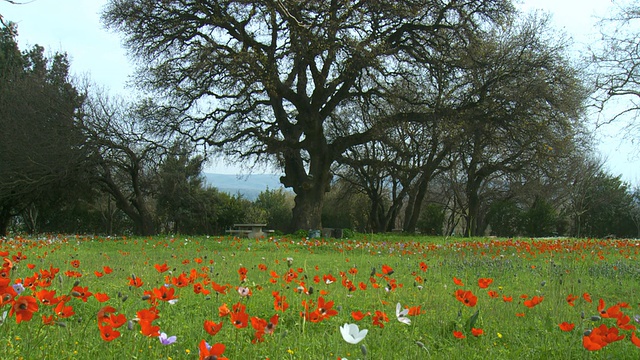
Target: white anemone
351	333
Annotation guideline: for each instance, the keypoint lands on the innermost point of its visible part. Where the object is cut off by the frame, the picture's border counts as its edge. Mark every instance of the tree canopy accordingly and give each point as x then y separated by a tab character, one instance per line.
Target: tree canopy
41	157
267	80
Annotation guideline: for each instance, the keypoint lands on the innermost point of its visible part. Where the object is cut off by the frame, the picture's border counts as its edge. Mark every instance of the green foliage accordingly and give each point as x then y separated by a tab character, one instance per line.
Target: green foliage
609	208
180	185
431	219
42	157
277	206
540	219
345	209
504	217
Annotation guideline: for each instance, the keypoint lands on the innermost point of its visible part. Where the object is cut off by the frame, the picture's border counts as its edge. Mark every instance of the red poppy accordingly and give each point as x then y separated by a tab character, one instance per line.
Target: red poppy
466	297
507	298
458	334
98	274
635	340
135	281
81	293
24	307
211	327
379	318
593	343
145	318
47	297
181	281
477	332
243	273
161	268
108	333
75	263
211	352
423	266
239	318
263	327
164	293
72	274
328	279
220	289
533	301
571	298
484	283
107	270
387	270
493	294
611	312
415	310
199	289
101	297
457	281
600	337
358	315
622	321
47	320
64	311
279	302
325	309
223	310
565	326
104	313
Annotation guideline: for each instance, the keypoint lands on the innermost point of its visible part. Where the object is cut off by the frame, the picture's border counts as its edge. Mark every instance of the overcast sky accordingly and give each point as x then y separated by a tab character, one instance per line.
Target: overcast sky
73	26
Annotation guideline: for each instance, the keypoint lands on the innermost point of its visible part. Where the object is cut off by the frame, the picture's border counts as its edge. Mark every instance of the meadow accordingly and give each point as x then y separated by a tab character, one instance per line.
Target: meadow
288	298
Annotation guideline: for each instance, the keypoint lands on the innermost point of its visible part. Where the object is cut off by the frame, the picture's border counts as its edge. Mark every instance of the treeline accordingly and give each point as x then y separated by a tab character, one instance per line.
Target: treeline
462	118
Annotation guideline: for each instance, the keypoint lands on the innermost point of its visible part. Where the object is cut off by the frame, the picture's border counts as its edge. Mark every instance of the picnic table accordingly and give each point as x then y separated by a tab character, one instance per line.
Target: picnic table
249	230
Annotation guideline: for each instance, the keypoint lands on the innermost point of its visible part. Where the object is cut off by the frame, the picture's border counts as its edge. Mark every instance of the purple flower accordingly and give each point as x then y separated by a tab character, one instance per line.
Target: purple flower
164	340
19	288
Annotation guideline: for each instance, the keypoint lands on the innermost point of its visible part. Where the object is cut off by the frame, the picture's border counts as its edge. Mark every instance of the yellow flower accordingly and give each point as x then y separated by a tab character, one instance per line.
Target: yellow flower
500	335
187	351
290	351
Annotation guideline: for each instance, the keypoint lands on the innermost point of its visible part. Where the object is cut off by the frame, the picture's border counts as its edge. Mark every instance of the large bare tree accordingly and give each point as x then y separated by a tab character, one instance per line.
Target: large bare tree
616	67
265	80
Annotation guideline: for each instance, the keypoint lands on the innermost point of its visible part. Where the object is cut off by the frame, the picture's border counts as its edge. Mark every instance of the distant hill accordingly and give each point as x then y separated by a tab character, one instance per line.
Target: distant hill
250	186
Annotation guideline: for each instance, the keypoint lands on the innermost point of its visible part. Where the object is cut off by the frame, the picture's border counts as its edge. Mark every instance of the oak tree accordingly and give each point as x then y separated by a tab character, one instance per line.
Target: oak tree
265	80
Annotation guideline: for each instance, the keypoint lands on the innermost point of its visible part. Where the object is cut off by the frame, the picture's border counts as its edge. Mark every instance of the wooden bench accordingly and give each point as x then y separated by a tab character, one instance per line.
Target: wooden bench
249	230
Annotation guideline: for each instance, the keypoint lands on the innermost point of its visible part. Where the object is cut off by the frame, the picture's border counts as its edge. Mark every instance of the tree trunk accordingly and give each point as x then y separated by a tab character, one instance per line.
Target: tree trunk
5	218
307	212
412	213
310	189
473	211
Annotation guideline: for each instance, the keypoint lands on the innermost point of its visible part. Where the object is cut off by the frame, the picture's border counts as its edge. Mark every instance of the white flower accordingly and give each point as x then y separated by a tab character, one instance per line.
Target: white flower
351	333
402	315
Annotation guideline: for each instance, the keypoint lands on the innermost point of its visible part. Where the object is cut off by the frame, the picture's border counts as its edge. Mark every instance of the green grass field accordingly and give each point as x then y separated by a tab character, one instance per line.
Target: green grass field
114	296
